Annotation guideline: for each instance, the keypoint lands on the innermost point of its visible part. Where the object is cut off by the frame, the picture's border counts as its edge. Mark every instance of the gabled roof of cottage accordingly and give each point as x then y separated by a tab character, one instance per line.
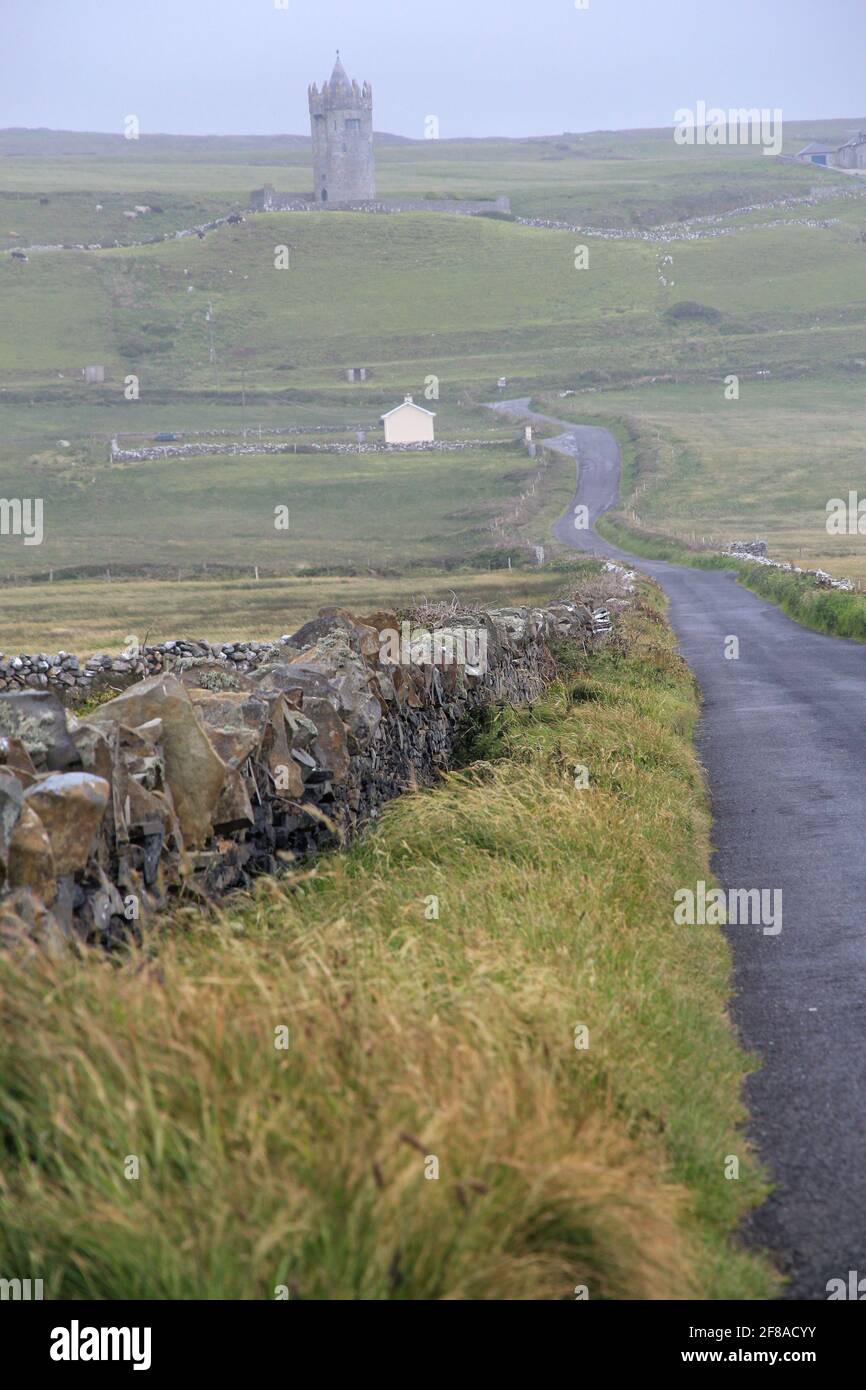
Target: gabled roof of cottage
408	401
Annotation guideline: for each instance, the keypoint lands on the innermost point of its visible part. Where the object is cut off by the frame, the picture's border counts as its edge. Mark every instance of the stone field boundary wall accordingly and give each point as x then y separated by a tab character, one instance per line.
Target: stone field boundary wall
268	200
153	452
193	780
65	676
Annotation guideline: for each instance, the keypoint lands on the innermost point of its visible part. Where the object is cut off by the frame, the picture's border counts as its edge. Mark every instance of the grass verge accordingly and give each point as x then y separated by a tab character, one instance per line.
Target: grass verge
832	611
411	1040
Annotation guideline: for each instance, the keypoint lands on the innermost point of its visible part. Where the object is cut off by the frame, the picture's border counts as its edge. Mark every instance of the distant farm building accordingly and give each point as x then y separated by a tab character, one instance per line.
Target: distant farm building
850	155
409	424
94	375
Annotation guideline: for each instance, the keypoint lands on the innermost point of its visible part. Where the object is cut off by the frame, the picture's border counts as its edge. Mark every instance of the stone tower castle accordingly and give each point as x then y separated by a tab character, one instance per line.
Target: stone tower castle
341	117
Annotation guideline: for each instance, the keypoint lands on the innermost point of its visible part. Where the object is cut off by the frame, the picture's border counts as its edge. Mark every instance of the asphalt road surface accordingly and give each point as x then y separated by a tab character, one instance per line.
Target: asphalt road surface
783	741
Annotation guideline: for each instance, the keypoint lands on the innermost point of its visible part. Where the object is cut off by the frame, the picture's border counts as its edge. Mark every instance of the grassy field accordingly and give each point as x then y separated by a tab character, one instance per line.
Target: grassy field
559	1166
700	466
89	615
369	512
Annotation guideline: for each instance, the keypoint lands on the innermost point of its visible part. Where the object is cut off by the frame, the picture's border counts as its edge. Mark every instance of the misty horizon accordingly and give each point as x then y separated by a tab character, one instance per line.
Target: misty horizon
396	135
214	68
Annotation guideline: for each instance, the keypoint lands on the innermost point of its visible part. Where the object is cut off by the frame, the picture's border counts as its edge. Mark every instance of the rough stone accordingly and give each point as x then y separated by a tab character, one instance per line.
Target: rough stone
31	863
11	802
95	750
233	810
194	770
70	806
14	756
235	721
329	747
38	720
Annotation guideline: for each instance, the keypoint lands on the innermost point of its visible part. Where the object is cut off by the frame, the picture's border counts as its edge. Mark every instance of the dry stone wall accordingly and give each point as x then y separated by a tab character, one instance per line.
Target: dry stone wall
756	553
73	681
152	452
268	200
241	760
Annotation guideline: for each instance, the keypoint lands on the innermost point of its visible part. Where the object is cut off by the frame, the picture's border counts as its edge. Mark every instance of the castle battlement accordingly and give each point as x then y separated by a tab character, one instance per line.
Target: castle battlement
324	99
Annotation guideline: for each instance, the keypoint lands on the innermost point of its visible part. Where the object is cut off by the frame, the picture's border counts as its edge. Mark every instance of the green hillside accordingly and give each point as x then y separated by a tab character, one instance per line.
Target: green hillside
468	299
218	338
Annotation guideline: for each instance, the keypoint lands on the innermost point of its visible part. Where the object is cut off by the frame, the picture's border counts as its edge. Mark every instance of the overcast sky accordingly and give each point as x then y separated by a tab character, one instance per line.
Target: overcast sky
484	67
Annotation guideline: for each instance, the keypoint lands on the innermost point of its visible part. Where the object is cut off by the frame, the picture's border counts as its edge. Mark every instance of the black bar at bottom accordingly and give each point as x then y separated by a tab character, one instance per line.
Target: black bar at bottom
70	1339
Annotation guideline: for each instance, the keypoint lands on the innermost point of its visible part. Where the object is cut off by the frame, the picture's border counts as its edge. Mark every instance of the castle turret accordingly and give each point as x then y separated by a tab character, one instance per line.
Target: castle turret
341	117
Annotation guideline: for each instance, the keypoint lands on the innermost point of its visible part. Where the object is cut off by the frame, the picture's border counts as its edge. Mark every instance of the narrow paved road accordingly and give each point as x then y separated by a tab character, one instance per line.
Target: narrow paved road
783	740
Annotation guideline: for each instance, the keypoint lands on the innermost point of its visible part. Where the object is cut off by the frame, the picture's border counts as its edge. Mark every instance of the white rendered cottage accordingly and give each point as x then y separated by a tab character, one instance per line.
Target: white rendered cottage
409	424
